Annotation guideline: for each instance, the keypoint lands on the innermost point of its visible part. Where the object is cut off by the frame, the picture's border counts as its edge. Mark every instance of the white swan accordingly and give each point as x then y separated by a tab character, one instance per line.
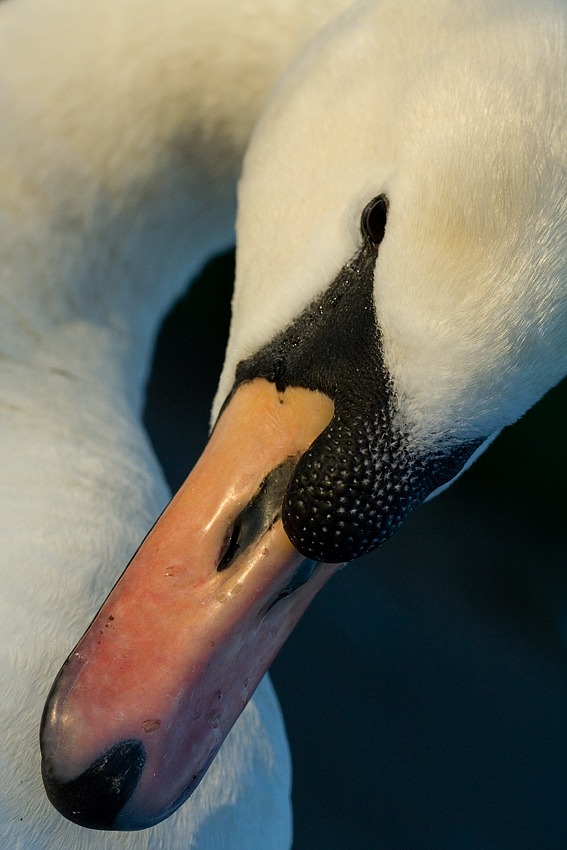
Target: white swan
121	139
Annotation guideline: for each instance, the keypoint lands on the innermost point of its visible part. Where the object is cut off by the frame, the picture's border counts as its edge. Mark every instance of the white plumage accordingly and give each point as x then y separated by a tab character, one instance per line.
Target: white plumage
122	134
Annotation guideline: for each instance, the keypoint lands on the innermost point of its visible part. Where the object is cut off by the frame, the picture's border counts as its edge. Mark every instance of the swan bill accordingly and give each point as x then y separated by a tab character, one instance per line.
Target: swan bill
145	700
305	469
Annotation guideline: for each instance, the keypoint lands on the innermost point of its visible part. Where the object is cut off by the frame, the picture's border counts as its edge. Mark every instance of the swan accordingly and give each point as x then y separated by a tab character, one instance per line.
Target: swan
399	299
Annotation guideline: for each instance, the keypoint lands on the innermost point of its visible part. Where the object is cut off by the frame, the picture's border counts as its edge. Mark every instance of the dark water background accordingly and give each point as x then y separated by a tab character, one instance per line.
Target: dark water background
425	691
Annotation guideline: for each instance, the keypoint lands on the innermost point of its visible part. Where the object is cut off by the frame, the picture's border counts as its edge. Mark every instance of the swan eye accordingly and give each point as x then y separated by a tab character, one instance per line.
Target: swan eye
373	220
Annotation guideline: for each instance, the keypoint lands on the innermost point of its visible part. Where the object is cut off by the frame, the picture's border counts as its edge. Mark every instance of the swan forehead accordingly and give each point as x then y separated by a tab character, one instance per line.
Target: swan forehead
305	180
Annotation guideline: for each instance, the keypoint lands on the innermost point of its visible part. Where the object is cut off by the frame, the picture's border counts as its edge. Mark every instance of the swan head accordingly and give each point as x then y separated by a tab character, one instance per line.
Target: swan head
400	297
467	280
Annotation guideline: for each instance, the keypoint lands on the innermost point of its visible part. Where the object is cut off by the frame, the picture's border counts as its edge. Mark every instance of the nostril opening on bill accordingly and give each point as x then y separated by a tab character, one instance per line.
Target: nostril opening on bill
230	547
261	512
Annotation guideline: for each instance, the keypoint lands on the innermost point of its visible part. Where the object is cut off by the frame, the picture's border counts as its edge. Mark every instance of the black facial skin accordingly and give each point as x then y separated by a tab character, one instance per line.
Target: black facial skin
360	479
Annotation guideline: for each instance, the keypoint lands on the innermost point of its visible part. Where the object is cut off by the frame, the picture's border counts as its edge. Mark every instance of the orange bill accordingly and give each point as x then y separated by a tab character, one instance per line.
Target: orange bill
146	698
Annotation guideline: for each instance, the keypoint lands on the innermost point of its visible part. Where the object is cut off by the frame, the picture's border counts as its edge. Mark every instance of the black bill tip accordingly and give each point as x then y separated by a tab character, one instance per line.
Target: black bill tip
96	797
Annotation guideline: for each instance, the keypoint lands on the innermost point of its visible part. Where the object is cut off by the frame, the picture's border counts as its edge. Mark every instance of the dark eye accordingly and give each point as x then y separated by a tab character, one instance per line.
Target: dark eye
373	220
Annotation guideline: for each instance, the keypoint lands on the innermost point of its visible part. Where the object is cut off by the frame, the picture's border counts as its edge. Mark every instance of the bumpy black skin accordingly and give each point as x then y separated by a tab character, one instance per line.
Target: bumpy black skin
359	480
